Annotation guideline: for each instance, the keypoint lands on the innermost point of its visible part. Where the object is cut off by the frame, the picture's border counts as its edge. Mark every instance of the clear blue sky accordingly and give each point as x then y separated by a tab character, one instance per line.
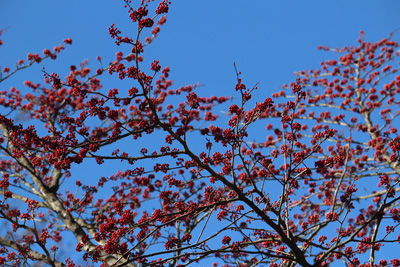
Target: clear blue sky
268	40
201	40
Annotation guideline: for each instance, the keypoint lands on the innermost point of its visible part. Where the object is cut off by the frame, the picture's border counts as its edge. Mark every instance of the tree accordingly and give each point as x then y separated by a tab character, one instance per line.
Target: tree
320	188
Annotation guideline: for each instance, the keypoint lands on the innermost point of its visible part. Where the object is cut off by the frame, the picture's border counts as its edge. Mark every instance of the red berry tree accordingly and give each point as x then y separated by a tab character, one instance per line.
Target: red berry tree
321	186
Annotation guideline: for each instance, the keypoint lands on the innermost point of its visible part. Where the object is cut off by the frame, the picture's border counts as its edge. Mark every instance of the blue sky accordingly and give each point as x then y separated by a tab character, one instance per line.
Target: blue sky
268	40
